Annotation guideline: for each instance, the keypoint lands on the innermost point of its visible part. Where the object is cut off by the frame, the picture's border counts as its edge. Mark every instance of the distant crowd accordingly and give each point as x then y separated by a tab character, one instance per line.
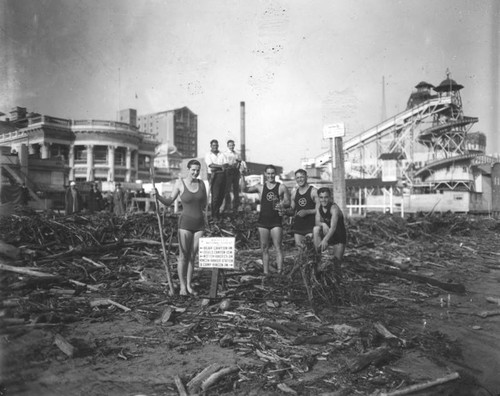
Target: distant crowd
119	201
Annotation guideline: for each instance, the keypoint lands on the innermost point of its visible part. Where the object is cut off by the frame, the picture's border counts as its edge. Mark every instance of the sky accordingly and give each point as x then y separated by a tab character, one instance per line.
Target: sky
297	64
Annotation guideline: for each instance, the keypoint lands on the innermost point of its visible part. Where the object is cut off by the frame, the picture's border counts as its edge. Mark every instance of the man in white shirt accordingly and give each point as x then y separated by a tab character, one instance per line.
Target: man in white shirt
216	163
233	173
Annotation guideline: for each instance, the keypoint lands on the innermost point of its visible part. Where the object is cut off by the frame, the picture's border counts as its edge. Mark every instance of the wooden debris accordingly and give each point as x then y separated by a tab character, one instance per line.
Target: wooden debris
425	385
9	250
180	386
166	314
98	265
106	301
485	314
320	339
194	385
90	287
217	376
64	345
383	331
375	356
279	326
285	388
452	287
25	271
493	300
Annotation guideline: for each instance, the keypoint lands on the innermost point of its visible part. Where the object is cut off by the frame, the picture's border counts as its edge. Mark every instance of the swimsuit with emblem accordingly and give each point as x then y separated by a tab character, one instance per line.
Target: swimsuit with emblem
269	217
304	225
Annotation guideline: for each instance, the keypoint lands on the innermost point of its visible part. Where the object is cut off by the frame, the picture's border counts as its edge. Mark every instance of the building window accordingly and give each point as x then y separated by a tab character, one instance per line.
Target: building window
120	155
80	154
100	154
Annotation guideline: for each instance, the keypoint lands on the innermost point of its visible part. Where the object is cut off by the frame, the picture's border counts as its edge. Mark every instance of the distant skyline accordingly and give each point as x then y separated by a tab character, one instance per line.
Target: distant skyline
297	65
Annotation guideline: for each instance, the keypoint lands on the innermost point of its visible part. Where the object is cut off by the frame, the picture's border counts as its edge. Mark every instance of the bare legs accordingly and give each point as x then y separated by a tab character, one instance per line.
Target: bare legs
188	248
318	234
299	239
276	235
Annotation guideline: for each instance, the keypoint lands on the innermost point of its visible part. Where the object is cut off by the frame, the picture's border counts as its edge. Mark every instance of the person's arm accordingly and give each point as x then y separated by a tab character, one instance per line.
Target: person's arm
216	167
317	217
292	200
284	196
257	188
204	202
335	211
168	201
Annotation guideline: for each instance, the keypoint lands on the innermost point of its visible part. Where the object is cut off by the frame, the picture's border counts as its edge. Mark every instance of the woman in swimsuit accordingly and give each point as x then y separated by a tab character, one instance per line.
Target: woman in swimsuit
192	222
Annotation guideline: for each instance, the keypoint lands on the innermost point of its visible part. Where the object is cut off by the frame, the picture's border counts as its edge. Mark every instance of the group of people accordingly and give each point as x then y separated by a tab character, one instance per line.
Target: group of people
224	175
314	213
117	201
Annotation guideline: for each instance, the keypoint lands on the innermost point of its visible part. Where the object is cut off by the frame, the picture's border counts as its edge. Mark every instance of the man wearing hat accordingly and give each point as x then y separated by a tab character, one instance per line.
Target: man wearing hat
73	199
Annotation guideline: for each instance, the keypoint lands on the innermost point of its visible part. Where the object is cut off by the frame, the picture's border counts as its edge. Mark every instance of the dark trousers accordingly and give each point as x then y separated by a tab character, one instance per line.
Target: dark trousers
233	183
217	191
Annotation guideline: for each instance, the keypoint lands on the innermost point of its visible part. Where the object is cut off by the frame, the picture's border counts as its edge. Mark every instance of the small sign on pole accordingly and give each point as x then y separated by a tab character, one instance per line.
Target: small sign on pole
334	130
216	253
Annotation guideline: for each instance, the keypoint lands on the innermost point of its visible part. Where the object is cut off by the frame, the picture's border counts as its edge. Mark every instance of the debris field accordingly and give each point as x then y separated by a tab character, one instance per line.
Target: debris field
86	309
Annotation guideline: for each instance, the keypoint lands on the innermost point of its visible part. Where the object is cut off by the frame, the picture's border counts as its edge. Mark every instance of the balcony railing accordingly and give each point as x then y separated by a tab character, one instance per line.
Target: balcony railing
44	119
111	125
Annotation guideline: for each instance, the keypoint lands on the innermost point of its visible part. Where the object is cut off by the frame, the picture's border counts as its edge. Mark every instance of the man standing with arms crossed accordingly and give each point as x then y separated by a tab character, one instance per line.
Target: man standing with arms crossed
216	163
304	204
232	177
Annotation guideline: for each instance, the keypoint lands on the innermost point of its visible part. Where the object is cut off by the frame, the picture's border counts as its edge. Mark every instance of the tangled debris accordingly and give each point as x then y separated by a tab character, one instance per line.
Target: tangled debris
318	328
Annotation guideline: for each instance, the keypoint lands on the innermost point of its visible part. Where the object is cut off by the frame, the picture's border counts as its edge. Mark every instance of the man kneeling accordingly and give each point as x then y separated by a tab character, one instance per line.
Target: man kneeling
330	227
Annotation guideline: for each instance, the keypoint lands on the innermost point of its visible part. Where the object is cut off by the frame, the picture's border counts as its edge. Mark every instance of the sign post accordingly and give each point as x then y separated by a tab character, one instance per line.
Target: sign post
335	132
218	254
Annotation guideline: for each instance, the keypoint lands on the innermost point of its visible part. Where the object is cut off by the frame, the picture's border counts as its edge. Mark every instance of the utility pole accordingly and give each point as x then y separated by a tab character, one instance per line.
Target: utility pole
242	131
335	132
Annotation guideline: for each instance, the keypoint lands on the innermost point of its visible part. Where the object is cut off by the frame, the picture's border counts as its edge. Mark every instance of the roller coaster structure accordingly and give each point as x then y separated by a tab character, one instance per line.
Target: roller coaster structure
431	133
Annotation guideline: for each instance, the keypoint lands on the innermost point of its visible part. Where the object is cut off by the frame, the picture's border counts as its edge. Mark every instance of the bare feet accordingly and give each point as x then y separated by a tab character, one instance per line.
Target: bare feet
183	292
192	291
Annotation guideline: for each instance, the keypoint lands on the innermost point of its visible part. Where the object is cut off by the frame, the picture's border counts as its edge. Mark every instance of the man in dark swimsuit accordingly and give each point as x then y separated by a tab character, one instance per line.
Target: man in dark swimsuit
304	203
274	198
330	226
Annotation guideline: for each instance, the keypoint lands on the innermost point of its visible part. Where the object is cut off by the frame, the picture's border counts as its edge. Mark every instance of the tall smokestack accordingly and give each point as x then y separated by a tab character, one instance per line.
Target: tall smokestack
242	131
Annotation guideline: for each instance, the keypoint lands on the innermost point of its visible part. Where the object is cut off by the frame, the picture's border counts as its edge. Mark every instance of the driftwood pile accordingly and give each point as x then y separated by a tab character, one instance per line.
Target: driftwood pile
359	317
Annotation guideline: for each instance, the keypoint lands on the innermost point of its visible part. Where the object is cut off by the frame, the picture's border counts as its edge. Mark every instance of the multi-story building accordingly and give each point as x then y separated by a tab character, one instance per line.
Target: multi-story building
85	150
178	127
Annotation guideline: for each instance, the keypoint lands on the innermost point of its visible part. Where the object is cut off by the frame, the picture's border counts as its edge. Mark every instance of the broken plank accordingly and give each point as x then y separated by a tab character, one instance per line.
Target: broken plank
25	271
195	384
485	314
9	250
279	326
180	386
64	345
320	339
452	287
217	376
106	301
364	360
425	385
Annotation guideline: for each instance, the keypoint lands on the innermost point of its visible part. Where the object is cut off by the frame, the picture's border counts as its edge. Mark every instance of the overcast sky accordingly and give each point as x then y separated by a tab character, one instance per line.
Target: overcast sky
296	64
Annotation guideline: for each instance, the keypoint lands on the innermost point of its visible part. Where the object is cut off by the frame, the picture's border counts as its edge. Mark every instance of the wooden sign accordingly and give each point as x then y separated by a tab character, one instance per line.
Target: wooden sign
216	253
334	130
